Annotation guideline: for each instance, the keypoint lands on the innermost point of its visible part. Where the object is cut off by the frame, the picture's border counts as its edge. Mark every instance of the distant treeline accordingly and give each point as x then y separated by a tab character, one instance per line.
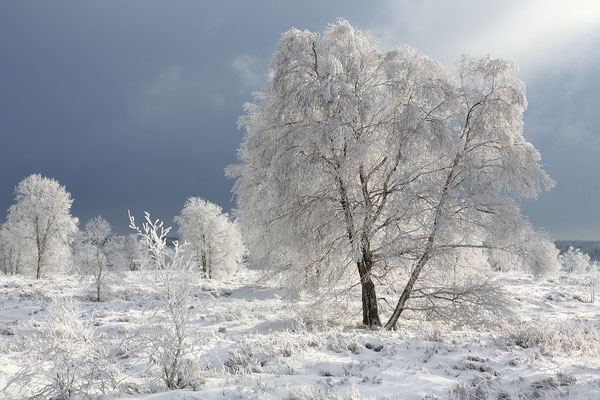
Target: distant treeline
590	247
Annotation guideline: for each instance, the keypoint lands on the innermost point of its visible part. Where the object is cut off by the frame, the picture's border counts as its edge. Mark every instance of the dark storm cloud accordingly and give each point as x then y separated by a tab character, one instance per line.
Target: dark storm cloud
563	123
134	104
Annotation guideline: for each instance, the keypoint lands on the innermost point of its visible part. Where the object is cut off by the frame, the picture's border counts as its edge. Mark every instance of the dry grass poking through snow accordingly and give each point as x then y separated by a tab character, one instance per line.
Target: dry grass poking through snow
250	344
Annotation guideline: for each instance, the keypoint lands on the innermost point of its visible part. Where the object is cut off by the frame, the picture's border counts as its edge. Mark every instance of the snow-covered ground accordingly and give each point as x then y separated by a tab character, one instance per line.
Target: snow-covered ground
250	342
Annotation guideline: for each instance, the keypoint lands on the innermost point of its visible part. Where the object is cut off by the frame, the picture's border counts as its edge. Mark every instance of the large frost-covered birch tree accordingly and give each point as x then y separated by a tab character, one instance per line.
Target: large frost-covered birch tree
370	168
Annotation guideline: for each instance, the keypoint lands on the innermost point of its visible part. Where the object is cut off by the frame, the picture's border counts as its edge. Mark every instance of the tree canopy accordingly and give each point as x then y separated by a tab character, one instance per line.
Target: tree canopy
40	224
370	168
212	239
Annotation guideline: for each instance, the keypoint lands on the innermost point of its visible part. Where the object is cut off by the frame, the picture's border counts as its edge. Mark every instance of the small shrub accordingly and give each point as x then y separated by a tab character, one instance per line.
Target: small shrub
244	362
68	360
563	337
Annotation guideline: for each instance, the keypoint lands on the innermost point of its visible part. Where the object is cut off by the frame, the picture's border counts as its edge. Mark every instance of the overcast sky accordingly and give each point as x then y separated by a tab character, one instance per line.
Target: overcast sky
134	104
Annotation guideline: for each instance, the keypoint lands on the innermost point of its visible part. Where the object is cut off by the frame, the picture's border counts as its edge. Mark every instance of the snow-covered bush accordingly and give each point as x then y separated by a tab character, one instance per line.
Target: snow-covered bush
555	337
488	388
297	391
575	261
69	359
273	353
169	340
212	238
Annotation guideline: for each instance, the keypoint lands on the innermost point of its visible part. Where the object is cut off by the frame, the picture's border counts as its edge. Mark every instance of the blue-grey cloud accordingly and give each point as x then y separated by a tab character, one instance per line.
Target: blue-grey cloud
134	104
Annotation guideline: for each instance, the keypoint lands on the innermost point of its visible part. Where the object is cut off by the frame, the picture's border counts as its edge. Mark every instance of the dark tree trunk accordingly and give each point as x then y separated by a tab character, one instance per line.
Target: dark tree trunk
39	268
39	248
98	284
369	294
369	303
365	265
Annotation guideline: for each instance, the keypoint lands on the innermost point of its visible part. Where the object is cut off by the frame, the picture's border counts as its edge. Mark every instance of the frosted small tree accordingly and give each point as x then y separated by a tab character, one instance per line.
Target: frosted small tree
134	252
575	261
362	167
41	222
68	360
98	253
213	239
593	280
170	342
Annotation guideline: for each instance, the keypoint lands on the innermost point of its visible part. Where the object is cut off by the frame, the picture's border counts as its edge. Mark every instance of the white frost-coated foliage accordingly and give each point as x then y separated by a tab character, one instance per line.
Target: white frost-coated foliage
40	225
214	241
536	253
13	251
170	343
69	359
575	261
98	253
562	337
368	167
593	280
134	252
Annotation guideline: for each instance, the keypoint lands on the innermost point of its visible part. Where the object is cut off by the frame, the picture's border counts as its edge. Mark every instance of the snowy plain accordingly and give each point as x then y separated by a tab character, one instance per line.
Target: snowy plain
252	342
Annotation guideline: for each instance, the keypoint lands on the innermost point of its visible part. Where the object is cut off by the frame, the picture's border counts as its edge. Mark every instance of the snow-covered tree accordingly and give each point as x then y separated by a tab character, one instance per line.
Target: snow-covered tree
41	224
99	253
379	168
170	342
593	280
134	252
13	251
575	261
213	239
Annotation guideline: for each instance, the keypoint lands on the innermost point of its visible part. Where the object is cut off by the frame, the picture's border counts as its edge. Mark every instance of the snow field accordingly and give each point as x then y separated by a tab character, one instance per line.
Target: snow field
249	342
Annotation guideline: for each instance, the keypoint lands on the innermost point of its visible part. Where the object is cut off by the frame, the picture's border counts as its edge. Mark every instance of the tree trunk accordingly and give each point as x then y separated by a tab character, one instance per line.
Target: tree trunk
414	276
100	261
39	248
407	291
39	267
17	267
369	294
98	284
369	299
209	264
98	292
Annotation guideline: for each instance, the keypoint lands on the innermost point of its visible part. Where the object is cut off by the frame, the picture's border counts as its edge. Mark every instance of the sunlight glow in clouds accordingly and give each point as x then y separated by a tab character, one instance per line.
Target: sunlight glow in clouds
537	34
